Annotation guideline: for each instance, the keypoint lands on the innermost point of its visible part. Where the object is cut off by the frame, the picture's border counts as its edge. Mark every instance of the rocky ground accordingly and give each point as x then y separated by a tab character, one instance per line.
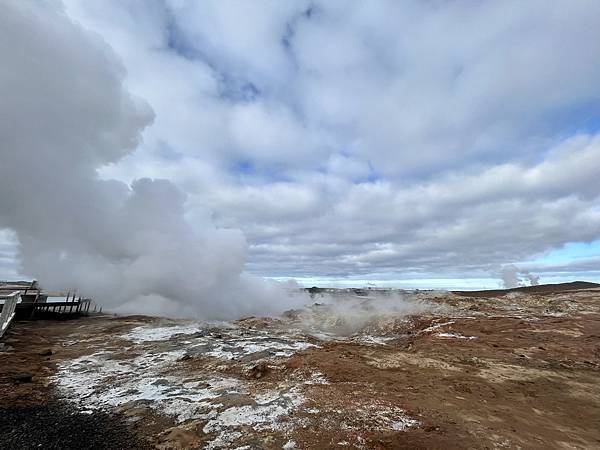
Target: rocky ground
518	369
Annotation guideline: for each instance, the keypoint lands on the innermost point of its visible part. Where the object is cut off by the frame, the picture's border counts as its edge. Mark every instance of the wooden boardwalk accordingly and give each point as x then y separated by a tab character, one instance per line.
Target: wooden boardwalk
25	300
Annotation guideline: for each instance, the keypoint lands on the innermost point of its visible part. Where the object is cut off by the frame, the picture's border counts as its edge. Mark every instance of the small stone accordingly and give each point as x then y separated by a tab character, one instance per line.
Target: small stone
258	371
23	377
255	356
46	352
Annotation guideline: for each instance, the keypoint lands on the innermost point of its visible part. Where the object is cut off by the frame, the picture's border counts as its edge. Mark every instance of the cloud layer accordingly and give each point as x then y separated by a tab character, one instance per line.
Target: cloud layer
378	140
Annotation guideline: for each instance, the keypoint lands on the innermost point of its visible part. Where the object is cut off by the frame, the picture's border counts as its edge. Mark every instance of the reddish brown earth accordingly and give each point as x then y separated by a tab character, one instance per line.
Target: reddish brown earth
508	371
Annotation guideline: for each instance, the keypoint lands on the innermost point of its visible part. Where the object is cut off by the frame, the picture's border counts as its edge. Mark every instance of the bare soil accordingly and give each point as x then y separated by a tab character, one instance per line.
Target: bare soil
512	370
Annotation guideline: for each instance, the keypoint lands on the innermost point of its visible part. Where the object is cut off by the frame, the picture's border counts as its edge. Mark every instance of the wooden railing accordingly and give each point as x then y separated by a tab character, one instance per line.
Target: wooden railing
8	310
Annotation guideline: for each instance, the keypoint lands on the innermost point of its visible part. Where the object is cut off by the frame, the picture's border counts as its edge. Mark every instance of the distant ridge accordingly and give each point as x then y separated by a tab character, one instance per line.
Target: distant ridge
540	289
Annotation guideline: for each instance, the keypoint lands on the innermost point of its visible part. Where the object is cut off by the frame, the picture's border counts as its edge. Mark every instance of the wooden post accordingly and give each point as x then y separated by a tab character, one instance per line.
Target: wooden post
35	300
72	304
61	308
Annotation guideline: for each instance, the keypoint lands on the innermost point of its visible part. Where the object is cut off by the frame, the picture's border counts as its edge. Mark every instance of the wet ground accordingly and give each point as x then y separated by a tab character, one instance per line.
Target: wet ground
513	370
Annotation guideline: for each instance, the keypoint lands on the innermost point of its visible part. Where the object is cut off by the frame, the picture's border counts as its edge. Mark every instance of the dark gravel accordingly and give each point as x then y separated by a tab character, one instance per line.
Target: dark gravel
61	426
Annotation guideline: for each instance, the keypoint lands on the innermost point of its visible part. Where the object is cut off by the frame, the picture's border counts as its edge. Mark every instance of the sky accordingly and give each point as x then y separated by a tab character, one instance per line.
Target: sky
393	143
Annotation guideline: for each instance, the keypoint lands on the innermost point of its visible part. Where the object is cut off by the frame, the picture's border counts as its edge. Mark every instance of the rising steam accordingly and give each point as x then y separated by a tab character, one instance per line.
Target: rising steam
513	277
128	246
344	314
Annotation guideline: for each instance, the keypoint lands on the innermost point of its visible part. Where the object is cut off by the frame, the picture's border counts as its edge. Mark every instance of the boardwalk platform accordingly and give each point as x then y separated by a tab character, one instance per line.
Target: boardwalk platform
26	300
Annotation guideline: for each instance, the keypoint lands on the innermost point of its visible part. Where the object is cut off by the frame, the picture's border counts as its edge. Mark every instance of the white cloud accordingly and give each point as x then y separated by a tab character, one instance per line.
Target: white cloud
429	138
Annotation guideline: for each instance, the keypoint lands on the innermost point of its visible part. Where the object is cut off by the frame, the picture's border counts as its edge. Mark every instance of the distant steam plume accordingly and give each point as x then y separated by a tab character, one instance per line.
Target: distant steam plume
128	246
513	277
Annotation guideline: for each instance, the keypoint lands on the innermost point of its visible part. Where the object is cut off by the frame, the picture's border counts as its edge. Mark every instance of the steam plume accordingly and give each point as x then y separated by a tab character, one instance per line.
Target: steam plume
513	277
129	246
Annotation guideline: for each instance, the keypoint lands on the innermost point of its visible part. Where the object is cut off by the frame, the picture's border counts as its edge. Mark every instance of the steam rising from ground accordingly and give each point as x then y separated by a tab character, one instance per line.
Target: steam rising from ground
130	247
346	315
513	277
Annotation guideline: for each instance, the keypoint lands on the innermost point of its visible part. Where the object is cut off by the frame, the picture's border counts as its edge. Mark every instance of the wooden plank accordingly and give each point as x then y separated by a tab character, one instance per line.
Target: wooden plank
8	311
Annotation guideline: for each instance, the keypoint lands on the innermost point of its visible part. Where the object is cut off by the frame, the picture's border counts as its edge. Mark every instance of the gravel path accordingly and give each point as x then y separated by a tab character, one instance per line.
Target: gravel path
60	426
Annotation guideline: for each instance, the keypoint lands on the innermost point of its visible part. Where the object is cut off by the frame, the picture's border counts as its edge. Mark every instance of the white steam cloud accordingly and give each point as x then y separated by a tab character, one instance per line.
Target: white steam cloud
346	314
65	114
513	277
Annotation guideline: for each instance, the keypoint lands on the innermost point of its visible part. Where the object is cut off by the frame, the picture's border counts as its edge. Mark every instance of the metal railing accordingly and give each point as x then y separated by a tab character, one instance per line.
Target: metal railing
8	310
